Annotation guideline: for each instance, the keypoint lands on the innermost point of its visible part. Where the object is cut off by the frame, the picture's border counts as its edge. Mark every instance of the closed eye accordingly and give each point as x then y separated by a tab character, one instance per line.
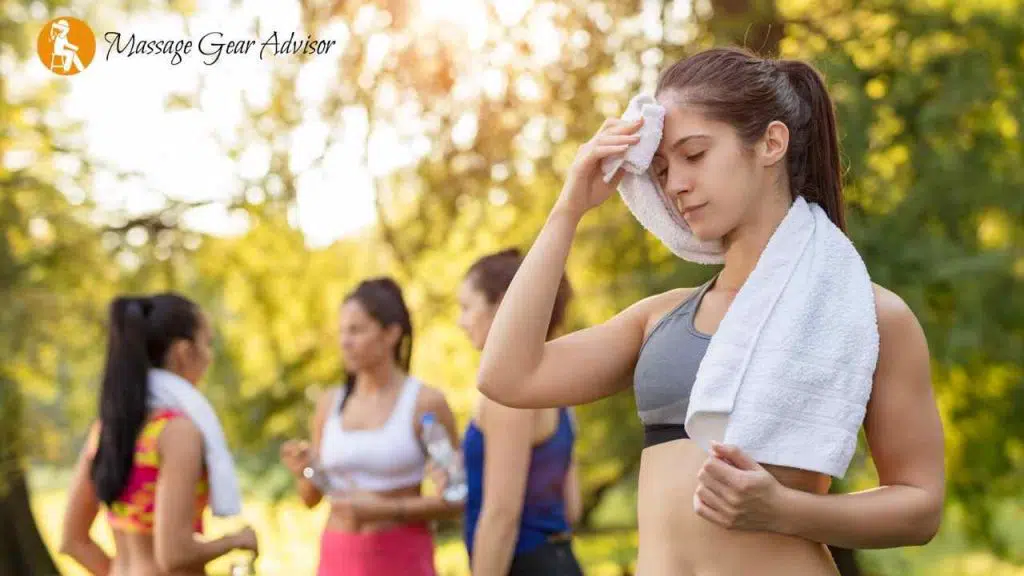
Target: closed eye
696	157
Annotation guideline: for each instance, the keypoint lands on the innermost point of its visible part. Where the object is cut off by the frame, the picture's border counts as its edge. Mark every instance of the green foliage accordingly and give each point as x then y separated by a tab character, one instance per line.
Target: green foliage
929	100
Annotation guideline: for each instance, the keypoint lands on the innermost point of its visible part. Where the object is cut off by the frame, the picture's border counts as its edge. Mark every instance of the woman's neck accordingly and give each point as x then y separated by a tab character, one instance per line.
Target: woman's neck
744	245
174	372
376	379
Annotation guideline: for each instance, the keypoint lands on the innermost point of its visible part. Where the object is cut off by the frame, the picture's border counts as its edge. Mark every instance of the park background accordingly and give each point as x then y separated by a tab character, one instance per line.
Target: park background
436	131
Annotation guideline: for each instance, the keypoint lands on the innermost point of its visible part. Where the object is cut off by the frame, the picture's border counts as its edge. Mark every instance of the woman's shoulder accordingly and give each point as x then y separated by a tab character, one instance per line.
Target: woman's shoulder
429	398
652	309
328	396
164	415
892	311
173	431
903	351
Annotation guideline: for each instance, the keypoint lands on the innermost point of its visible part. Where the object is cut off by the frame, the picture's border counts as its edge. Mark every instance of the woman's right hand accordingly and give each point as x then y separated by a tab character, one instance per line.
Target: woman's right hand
245	539
296	456
584	186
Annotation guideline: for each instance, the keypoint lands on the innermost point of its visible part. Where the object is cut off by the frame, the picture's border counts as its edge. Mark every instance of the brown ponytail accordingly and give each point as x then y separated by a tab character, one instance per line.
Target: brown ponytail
814	160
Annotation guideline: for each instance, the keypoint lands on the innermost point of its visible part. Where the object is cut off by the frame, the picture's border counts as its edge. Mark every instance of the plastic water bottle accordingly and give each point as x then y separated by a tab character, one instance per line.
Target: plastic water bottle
439	447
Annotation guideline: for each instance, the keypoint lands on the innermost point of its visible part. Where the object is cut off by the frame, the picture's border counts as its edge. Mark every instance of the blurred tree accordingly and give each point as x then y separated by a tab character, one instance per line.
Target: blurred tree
55	278
929	102
31	209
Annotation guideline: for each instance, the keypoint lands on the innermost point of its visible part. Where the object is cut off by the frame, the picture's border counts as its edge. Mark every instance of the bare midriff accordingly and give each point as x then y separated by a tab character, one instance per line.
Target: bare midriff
675	541
342	520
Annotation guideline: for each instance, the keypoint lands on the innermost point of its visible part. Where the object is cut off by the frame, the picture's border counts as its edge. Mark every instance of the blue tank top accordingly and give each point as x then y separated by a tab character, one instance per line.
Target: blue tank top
544	503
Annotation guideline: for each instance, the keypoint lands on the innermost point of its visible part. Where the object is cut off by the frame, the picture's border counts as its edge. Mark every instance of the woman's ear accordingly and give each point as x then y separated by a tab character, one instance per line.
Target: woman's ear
393	334
177	355
774	144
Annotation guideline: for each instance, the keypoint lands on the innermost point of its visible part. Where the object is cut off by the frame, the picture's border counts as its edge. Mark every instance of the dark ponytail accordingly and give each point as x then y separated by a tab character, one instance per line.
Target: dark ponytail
814	146
382	299
749	92
140	333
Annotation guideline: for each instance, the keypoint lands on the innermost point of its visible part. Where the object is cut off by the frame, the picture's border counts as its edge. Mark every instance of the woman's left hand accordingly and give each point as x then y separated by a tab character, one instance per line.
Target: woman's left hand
736	492
438	476
358	504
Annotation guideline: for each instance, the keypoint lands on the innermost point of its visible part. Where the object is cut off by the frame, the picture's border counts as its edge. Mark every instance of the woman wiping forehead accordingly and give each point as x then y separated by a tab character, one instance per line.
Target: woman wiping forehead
748	166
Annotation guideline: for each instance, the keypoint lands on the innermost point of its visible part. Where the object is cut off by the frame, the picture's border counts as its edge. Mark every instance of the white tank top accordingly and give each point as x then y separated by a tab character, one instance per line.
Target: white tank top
376	460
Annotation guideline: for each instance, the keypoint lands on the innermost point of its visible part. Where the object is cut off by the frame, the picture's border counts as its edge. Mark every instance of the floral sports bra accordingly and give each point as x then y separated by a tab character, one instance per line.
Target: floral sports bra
134	509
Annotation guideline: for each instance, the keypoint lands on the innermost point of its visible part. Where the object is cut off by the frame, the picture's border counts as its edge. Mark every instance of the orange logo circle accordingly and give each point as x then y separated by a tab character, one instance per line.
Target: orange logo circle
66	45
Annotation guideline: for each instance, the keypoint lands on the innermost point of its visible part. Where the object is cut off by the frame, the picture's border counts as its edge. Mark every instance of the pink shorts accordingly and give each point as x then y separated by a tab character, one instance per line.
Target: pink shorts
403	551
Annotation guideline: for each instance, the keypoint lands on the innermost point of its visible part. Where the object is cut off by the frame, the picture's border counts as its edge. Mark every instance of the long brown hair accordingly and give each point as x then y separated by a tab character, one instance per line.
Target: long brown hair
141	331
382	299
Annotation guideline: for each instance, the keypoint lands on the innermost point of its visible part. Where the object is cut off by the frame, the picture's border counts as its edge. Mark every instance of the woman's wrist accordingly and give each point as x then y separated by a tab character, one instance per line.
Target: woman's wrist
562	210
233	541
785	508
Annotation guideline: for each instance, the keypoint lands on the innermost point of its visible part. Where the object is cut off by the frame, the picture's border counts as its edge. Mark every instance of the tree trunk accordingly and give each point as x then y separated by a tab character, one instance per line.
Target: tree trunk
22	550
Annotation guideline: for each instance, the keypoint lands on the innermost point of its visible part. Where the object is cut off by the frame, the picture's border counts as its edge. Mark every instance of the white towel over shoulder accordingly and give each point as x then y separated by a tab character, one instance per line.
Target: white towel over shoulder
788	374
168	390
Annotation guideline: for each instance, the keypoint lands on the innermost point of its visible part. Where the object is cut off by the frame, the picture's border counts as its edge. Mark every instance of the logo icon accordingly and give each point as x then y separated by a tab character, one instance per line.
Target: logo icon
66	46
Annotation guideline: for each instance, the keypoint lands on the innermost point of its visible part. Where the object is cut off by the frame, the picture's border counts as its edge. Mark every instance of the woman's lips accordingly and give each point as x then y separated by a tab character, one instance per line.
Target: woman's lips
689	211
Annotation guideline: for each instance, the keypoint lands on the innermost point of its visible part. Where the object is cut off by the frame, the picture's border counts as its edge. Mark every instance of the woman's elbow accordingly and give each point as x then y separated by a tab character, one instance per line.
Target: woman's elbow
166	560
929	524
501	389
70	545
453	509
309	495
503	516
310	501
490	386
574	516
170	556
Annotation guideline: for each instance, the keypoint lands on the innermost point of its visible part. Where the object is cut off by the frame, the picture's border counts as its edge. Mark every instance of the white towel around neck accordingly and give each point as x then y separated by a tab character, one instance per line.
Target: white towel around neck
168	390
788	373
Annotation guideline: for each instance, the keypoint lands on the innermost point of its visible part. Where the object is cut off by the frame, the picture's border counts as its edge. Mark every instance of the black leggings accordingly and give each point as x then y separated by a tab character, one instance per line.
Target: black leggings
550	559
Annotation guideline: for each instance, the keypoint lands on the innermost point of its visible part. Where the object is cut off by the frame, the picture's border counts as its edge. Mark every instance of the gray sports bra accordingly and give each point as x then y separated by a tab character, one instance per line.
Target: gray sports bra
666	369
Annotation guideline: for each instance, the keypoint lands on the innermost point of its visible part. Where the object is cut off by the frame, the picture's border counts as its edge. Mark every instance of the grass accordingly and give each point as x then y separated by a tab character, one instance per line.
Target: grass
290	534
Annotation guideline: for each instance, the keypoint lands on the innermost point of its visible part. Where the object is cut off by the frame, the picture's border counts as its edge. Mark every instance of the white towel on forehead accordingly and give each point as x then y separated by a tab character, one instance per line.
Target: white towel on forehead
643	195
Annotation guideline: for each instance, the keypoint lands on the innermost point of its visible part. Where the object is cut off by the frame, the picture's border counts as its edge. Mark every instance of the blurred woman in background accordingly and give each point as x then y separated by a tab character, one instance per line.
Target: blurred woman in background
366	454
523	490
145	461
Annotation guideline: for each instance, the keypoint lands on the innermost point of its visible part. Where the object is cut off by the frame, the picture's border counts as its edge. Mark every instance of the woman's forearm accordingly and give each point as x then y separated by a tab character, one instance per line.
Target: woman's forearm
885	517
89	555
194	553
405	509
515	342
494	543
308	492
